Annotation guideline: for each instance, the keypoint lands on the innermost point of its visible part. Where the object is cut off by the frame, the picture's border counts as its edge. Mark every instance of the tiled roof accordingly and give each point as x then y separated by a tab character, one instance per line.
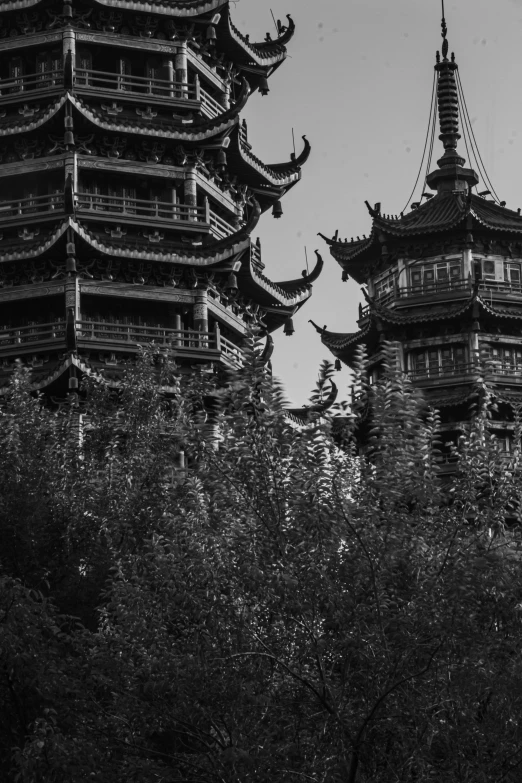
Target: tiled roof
435	312
163	130
22	124
438	214
502	311
441	213
183	8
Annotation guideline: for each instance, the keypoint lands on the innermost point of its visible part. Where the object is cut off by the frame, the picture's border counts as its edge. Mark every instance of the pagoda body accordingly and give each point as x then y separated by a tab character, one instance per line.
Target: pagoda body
444	283
129	188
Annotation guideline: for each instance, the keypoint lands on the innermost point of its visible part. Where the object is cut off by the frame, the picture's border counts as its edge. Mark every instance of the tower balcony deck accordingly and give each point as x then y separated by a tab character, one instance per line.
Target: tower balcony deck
115	336
33	84
141	89
117	209
495	372
442	291
186	343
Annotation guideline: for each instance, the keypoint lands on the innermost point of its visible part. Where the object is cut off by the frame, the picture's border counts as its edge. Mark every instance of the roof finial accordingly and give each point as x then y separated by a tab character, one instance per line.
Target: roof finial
444	34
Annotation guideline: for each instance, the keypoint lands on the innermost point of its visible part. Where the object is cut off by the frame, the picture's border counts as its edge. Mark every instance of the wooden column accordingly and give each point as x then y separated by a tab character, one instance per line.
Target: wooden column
191	193
170	74
201	310
69	43
72	296
467	262
180	64
225	97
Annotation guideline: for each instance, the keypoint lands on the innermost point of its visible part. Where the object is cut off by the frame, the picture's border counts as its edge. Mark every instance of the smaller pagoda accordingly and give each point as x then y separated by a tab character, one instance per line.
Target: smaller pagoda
442	281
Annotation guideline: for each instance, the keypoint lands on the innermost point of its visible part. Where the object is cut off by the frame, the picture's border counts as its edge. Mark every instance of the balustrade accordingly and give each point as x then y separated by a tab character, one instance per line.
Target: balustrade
139	85
443	287
441	371
177	339
22	207
28	82
32	333
148	208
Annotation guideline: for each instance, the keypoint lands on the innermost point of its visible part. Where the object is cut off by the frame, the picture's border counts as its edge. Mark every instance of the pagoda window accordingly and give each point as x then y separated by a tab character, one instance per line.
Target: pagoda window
125	73
49	66
440	275
16	72
157	74
438	361
512	274
490	269
123	199
384	286
83	67
507	359
504	441
90	197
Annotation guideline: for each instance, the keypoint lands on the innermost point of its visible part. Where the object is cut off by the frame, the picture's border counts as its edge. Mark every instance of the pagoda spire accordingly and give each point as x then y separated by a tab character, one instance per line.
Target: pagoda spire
451	175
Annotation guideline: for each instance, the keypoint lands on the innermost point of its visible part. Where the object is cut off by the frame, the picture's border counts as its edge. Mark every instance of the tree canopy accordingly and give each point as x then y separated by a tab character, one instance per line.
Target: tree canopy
193	589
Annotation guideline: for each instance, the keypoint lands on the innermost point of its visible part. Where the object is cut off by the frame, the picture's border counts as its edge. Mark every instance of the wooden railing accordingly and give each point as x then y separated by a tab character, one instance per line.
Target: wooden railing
440	287
33	333
140	85
451	370
209	104
503	368
149	208
175	339
220	227
20	208
31	81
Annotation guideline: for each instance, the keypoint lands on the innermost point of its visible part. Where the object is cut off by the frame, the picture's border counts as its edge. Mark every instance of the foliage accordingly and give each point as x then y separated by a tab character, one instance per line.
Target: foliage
278	609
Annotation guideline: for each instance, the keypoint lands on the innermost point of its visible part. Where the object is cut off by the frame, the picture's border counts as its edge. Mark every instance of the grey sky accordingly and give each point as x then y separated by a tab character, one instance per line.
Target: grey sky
358	84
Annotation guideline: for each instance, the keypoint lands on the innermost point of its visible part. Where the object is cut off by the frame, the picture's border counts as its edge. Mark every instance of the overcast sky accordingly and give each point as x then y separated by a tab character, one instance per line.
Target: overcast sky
358	84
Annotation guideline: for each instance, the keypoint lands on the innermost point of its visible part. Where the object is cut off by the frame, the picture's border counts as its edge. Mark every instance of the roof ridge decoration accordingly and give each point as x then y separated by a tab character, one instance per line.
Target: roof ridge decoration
295	163
307	277
303	414
285	297
276	174
266	52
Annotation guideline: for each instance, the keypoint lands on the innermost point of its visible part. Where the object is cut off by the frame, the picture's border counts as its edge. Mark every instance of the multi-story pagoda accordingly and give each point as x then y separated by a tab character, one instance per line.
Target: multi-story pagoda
129	191
443	281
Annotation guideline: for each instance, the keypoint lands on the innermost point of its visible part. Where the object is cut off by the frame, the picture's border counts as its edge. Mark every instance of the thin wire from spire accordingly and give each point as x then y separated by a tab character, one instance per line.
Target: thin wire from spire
473	141
432	117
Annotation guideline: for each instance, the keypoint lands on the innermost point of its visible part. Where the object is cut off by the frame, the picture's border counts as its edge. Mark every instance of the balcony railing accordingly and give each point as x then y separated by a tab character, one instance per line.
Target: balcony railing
443	287
21	208
178	340
220	227
209	105
31	81
139	85
147	208
33	333
449	370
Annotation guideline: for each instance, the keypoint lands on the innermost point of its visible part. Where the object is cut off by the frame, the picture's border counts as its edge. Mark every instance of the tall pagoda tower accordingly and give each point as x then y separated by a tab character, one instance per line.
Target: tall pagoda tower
443	281
129	190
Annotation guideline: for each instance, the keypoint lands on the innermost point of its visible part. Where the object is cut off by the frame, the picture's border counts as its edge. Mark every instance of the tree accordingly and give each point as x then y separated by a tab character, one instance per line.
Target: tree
282	608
